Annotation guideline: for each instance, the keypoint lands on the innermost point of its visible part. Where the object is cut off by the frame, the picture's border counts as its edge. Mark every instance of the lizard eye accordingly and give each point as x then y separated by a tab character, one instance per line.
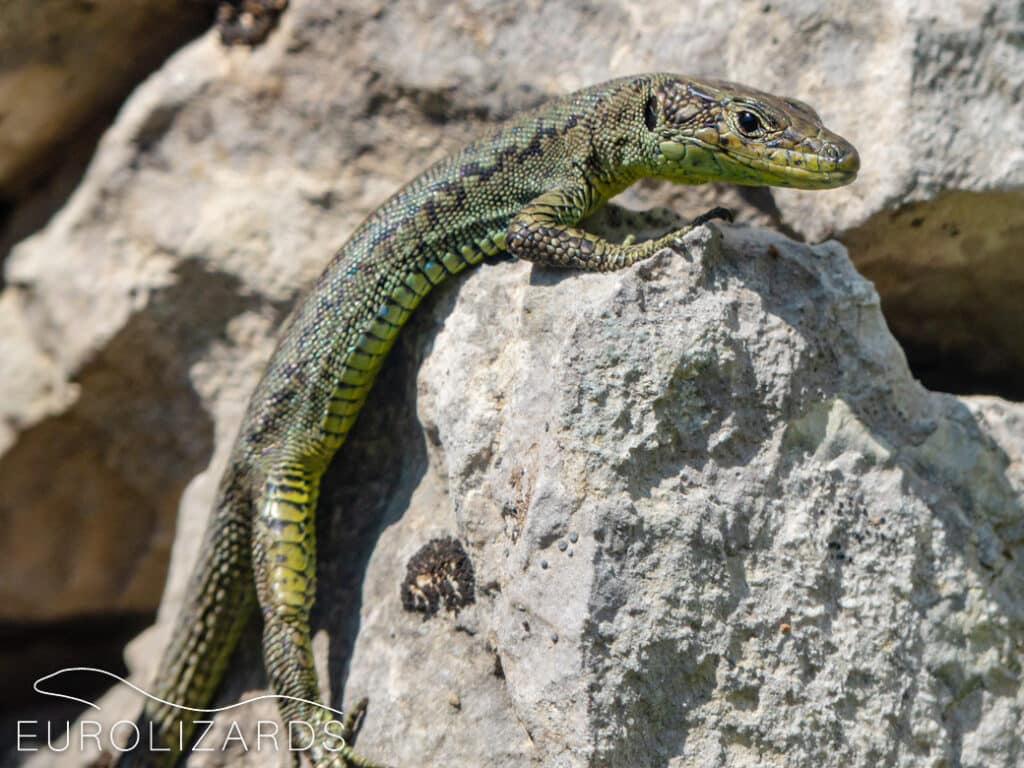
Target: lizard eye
651	112
749	122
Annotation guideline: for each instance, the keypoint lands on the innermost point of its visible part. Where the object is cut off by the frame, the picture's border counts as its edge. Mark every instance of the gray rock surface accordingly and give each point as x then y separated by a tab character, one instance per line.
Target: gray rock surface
784	551
137	322
64	69
138	319
713	519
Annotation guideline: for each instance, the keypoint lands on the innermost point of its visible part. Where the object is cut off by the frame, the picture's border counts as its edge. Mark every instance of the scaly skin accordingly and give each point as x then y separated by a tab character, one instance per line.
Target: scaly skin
521	188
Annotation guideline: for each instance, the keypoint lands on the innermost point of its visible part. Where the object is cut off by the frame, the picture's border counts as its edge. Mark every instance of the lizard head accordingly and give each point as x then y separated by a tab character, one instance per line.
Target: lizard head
712	130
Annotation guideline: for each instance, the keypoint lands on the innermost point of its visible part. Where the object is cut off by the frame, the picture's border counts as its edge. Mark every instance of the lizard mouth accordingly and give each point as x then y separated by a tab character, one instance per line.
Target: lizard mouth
832	166
806	178
799	172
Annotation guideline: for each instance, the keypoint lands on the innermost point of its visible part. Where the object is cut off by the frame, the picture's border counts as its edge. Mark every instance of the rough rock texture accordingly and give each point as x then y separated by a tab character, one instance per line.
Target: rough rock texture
713	519
142	314
944	248
136	323
64	68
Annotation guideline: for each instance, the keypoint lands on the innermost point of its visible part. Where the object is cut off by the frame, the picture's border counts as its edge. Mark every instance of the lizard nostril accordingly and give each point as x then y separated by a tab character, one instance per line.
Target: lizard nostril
849	161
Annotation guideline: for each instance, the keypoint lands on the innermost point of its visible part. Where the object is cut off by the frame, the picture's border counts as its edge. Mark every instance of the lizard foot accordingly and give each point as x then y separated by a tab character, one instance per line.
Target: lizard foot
345	757
354	721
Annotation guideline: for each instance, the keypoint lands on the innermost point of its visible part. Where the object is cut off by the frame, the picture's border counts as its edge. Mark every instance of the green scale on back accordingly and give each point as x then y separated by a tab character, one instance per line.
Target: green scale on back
521	188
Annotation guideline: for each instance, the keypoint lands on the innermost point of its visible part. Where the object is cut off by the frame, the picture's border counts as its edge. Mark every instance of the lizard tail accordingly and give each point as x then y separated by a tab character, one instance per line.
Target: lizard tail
221	597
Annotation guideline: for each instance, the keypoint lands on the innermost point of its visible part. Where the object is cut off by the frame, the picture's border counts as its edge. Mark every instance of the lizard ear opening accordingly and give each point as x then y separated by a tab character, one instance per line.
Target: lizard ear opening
651	112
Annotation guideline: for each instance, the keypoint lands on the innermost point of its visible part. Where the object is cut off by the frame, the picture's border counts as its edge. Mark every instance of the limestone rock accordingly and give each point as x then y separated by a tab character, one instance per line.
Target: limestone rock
233	173
714	521
137	322
64	69
712	517
950	272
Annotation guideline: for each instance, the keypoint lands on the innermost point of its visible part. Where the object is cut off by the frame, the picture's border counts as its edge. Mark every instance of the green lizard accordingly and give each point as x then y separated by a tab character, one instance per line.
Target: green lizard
522	189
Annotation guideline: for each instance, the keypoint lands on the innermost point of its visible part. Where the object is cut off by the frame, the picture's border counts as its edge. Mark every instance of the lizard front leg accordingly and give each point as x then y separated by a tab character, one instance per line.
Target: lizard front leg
545	231
284	561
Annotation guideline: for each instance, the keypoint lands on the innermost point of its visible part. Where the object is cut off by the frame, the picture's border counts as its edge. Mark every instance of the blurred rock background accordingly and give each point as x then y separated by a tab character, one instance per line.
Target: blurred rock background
66	67
144	278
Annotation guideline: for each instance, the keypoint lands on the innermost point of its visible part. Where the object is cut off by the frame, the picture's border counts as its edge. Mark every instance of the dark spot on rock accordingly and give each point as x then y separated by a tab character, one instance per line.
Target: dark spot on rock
917	222
248	22
440	572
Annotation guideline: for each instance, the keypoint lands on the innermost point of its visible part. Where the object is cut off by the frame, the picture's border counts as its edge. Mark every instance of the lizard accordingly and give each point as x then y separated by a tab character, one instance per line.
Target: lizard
522	190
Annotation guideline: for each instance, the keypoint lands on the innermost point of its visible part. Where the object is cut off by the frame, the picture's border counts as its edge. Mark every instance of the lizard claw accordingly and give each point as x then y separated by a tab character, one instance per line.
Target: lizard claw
715	213
346	757
354	721
348	760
